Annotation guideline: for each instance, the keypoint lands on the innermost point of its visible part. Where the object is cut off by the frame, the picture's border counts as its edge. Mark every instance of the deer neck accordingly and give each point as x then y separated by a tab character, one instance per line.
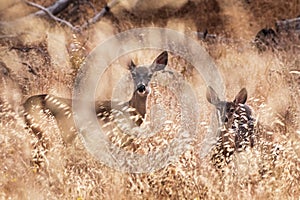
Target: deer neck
139	103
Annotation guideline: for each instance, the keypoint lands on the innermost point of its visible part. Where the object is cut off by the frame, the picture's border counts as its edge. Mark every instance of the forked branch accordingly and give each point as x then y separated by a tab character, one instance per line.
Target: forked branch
50	14
60	5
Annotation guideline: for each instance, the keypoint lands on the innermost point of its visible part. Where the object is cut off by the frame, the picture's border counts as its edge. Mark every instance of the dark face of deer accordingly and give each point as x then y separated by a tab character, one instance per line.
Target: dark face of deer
226	109
141	77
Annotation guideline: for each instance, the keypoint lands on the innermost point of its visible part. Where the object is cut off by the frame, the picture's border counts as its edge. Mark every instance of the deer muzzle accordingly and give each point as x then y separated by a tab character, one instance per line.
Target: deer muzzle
142	89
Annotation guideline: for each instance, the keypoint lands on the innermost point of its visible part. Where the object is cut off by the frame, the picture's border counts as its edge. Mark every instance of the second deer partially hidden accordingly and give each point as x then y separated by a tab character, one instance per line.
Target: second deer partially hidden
236	125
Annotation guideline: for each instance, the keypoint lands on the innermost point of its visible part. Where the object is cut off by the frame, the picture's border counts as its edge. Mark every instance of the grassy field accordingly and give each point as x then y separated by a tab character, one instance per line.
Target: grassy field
39	56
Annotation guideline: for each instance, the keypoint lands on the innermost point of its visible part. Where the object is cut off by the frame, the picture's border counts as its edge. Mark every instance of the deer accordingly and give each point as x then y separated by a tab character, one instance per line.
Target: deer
235	124
61	108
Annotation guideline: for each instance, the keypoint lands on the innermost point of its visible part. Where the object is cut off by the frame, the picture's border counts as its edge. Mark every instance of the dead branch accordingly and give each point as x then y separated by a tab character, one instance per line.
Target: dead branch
56	8
100	14
60	5
96	18
51	15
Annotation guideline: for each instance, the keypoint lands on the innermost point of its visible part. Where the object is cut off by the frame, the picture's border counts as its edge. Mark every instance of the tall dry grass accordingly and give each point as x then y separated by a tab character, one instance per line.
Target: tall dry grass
46	168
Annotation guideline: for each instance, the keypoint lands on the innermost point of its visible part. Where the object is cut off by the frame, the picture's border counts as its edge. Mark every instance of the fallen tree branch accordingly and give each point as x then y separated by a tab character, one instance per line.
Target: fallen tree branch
56	8
43	9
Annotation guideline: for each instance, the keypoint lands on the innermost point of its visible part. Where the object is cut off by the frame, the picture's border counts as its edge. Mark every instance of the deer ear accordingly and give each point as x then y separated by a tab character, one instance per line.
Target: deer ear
241	97
212	96
131	65
160	62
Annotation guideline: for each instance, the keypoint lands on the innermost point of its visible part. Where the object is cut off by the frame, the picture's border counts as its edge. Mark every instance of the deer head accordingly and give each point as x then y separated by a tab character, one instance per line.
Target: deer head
226	109
141	77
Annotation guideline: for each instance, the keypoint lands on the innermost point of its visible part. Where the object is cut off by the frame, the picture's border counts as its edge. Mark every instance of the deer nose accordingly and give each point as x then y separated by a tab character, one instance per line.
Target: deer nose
141	88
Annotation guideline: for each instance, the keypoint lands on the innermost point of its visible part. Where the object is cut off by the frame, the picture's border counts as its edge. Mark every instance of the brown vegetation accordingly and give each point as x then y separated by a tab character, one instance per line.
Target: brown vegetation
38	55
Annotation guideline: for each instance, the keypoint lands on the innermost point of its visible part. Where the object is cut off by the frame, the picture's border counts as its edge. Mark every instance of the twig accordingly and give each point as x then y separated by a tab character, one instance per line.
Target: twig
51	15
96	18
100	14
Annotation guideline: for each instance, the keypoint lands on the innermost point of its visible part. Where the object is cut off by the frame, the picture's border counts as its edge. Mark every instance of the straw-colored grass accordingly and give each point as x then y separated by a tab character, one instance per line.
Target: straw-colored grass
46	168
